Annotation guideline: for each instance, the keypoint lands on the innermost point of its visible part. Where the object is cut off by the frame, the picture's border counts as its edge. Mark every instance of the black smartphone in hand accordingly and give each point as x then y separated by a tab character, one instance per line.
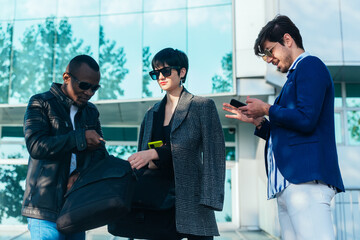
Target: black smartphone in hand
236	103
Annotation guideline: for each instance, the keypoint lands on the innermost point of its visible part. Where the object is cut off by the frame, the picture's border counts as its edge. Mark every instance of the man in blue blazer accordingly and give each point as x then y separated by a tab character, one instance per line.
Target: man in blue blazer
301	157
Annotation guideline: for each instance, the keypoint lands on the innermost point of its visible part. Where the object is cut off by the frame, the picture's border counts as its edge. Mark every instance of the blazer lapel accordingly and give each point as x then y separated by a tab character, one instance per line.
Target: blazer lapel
149	125
182	109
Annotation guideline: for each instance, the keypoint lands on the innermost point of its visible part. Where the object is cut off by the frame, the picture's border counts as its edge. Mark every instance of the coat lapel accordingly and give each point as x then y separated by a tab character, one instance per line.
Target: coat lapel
182	109
149	124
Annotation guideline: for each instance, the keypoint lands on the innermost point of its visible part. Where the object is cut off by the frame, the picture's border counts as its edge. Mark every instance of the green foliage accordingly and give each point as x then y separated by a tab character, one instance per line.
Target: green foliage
11	191
5	56
146	54
228	218
121	151
354	125
45	51
112	61
224	83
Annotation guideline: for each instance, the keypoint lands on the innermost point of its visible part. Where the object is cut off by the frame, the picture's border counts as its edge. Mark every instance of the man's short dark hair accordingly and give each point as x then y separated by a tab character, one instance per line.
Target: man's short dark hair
173	58
274	30
76	62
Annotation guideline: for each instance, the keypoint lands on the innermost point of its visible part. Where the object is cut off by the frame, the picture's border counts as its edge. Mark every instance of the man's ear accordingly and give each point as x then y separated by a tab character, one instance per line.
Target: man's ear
182	72
288	40
66	77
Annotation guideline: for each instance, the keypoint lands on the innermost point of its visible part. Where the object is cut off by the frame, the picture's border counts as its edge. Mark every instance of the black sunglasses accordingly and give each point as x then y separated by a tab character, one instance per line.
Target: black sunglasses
85	85
166	72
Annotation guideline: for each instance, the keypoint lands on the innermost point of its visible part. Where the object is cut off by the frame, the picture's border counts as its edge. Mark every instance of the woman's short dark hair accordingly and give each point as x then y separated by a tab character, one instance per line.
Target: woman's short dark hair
76	62
274	30
173	58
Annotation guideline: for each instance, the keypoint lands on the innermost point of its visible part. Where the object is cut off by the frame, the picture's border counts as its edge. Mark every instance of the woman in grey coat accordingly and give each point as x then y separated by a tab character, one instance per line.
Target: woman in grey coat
193	150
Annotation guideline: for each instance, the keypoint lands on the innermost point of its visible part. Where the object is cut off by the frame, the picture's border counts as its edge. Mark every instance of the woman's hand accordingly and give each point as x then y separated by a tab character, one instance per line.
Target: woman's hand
142	158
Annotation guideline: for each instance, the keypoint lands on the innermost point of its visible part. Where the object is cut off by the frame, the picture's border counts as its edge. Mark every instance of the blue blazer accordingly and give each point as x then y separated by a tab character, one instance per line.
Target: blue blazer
301	124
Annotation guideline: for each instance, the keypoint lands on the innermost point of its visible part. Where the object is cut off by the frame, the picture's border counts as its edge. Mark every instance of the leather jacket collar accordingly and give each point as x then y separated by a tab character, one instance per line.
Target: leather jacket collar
59	94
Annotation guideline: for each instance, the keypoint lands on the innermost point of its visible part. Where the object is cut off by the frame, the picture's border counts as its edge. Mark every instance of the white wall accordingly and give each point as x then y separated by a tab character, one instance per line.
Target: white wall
249	18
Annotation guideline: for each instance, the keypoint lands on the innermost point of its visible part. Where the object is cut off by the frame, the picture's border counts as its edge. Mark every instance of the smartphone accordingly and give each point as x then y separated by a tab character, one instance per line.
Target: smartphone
155	144
236	103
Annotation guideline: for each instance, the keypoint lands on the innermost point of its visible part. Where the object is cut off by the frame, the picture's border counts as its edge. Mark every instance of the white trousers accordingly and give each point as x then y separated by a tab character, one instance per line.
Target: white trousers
305	213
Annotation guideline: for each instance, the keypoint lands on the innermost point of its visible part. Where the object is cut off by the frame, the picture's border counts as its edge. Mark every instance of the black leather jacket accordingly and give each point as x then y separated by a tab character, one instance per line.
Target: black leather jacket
50	140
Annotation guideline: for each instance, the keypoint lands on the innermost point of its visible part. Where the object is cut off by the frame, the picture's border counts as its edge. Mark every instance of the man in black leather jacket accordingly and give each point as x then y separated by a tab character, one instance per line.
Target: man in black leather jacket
63	135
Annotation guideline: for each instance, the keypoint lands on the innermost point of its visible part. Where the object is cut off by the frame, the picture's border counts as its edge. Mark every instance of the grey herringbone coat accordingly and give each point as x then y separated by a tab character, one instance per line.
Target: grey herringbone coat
198	153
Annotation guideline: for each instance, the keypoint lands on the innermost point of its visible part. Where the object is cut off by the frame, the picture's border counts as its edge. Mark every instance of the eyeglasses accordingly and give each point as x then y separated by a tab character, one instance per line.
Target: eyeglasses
85	85
268	53
166	72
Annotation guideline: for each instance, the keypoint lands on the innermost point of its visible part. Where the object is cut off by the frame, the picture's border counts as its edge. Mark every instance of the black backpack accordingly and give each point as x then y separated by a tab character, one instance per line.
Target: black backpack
101	194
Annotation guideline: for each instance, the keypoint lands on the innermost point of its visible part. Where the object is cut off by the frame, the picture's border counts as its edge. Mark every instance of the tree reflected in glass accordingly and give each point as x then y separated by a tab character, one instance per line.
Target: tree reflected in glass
146	69
12	179
112	63
6	33
354	127
224	83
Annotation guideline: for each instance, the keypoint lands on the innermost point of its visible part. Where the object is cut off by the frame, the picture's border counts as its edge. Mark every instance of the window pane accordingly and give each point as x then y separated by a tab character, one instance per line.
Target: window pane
229	134
68	8
33	58
354	127
7	9
210	68
353	95
338	129
6	29
12	132
12	148
27	9
121	151
338	95
160	30
230	153
12	186
197	3
163	5
120	134
123	6
226	214
121	56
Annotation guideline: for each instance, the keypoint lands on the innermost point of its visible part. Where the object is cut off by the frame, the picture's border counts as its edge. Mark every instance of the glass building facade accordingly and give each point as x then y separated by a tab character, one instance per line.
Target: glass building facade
39	37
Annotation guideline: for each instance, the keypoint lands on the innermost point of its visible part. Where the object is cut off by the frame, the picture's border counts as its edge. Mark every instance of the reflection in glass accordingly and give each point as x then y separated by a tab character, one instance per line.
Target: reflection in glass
197	3
121	151
338	129
12	186
161	30
68	8
33	58
6	31
226	214
211	62
111	61
353	95
156	5
67	46
31	9
123	6
120	56
7	9
353	118
230	153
